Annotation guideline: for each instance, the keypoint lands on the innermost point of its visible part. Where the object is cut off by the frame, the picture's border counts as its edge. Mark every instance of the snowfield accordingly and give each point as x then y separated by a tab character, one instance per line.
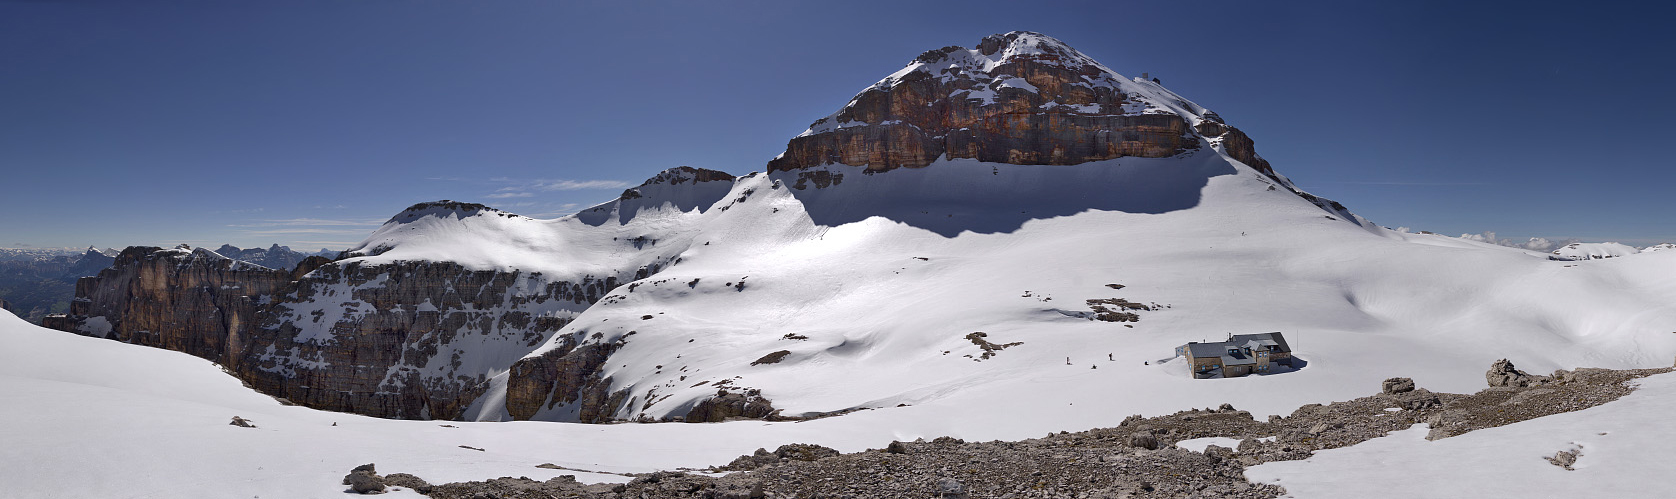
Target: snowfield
1623	450
879	280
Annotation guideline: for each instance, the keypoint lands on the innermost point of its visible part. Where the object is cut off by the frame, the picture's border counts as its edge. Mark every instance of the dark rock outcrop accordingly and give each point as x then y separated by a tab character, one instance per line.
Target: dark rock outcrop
364	479
785	453
731	405
562	377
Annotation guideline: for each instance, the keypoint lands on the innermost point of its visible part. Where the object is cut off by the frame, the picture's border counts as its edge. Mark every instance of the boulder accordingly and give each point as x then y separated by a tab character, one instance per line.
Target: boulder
1396	385
363	483
1503	373
949	488
1144	439
364	479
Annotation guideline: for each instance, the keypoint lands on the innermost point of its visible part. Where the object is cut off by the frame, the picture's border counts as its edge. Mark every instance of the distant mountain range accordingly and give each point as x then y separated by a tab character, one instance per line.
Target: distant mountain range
35	282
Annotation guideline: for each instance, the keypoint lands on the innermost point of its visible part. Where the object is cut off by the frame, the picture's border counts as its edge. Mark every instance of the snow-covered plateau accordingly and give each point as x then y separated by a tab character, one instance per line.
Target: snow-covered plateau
849	299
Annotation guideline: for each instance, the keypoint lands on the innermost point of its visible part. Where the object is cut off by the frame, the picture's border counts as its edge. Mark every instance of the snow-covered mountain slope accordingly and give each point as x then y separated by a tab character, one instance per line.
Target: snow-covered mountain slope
874	307
88	417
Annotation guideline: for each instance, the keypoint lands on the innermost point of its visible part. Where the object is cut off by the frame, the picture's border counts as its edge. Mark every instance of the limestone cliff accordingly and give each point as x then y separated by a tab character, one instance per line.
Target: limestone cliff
383	332
188	300
1021	98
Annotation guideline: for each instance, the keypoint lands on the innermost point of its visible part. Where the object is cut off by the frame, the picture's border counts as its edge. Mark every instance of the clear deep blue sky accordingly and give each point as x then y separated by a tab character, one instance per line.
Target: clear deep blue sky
307	123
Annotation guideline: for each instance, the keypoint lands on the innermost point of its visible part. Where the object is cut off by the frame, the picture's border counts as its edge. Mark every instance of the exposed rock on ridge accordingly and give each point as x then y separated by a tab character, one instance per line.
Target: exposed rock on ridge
1020	98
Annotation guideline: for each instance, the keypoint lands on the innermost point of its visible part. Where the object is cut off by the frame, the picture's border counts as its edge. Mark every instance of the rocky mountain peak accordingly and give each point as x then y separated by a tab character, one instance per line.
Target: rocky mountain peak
683	174
677	176
444	208
1021	98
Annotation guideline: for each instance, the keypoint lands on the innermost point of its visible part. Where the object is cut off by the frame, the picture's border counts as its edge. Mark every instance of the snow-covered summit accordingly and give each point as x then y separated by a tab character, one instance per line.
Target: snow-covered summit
1593	251
443	208
681	189
1006	61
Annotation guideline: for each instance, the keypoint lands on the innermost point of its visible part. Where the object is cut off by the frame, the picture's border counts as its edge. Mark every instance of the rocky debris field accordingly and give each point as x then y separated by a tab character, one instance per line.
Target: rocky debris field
1137	458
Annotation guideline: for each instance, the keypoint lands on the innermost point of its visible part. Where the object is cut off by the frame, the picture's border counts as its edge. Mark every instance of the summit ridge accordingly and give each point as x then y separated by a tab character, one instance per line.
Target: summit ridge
1020	98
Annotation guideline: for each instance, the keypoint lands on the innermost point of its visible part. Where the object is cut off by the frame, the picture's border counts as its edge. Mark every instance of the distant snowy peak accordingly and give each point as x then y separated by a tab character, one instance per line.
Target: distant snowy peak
682	189
1659	247
1593	251
684	174
426	222
444	208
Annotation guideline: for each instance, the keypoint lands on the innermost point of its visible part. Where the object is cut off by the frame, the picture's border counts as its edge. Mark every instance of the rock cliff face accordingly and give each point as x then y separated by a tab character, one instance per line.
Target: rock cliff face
416	338
1021	98
401	340
192	301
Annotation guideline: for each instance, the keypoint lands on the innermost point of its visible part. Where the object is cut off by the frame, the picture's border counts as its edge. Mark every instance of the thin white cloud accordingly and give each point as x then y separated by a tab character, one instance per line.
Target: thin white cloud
575	185
273	232
1413	184
528	188
366	222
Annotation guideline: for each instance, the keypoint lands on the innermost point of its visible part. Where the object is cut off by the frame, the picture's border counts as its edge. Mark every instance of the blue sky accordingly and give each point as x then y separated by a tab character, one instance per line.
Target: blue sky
308	123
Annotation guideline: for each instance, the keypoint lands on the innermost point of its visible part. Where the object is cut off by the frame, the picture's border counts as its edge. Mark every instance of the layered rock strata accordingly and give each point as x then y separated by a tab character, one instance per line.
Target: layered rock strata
1020	98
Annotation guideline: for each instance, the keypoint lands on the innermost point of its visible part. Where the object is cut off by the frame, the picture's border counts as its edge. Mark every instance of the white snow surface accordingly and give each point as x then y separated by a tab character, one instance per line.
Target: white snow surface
886	274
1624	447
1200	444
